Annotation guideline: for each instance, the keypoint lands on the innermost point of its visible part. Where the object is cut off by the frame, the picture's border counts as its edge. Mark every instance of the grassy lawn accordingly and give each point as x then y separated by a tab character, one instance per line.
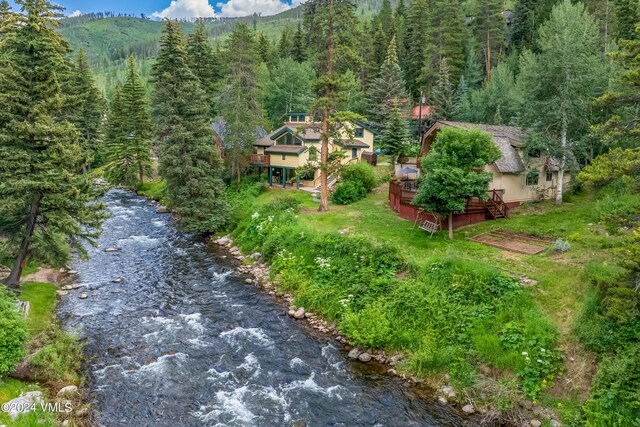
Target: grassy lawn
53	352
560	289
42	297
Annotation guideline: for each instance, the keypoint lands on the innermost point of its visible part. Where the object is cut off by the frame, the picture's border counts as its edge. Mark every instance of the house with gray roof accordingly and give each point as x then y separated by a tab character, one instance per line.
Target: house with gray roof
298	142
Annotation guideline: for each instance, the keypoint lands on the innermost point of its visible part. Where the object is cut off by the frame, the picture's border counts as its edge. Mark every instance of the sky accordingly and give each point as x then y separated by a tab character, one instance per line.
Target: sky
178	8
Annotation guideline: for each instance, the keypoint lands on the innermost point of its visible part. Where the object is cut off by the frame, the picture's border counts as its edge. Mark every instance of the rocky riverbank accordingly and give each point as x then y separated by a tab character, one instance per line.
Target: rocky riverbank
260	273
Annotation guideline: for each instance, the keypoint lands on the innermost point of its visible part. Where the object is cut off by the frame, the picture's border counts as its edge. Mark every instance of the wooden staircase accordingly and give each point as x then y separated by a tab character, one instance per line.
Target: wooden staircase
496	207
331	181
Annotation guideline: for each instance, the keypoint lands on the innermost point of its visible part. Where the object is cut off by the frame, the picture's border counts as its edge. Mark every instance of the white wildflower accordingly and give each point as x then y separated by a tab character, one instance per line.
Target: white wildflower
255	215
524	353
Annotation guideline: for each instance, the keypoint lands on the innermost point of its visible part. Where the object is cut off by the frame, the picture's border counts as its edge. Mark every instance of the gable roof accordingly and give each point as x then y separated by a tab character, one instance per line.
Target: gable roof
507	138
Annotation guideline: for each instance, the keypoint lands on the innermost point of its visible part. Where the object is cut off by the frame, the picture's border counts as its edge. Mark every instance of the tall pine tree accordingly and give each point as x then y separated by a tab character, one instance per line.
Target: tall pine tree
388	87
44	197
129	146
490	28
89	105
329	24
240	99
415	43
189	159
204	64
446	35
443	93
299	48
396	138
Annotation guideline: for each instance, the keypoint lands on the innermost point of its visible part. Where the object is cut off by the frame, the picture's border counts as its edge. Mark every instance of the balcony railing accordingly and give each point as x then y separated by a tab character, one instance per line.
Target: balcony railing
260	159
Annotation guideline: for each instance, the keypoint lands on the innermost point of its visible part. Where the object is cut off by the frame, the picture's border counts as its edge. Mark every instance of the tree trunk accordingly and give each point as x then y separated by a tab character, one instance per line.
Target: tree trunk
13	281
141	174
450	225
488	57
328	96
561	160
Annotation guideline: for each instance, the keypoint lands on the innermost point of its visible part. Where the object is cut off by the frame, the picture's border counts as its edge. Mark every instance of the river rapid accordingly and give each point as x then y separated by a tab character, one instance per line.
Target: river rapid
182	341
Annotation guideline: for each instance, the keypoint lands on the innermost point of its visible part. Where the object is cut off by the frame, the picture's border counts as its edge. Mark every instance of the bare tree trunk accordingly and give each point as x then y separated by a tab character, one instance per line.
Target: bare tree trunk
450	225
328	95
13	281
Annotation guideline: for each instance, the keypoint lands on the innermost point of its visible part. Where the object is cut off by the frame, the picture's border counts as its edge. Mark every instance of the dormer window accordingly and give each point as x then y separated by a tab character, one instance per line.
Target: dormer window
359	133
297	118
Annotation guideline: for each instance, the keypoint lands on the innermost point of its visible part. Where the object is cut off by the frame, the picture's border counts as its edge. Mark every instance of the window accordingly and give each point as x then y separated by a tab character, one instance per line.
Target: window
354	153
313	153
533	178
549	176
359	133
284	157
533	153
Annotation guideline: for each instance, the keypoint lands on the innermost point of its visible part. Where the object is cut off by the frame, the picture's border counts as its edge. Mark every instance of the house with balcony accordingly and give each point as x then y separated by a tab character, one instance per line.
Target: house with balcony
298	143
519	176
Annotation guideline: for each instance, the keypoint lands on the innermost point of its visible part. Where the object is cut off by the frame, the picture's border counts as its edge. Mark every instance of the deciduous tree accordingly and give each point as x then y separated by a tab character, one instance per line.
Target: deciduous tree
452	172
560	82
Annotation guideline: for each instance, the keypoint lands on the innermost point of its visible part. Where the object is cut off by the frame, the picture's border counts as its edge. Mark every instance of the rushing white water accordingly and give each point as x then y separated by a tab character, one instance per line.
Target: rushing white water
184	342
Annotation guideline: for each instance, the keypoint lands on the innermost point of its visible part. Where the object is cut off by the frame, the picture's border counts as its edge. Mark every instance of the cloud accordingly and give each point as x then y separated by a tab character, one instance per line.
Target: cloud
249	7
186	9
75	13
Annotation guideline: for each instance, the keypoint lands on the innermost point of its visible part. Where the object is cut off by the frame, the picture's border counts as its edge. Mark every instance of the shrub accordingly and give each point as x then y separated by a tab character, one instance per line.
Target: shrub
369	327
361	172
349	192
615	396
13	333
60	359
561	245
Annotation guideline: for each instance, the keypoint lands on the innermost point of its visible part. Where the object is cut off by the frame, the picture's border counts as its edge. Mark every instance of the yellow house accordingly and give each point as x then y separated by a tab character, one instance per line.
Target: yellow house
518	176
298	142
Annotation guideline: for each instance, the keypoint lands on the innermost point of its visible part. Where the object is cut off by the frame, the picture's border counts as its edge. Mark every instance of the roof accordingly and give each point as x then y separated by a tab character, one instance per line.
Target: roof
285	149
351	143
305	131
507	138
366	126
427	110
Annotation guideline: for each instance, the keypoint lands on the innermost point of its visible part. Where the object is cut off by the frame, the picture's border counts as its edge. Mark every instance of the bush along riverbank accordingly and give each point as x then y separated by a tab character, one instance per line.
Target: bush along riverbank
443	322
43	383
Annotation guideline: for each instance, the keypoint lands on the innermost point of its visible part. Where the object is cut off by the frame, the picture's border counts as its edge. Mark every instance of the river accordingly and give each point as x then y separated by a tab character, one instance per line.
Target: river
182	341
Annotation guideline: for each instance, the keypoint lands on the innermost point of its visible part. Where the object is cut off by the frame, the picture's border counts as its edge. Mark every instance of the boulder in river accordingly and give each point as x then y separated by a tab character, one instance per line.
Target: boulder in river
23	404
62	293
354	353
299	314
83	296
118	280
364	357
162	209
248	281
112	249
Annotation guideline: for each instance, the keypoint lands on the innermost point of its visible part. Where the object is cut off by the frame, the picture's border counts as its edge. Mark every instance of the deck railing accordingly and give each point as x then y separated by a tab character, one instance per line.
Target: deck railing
404	190
260	159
